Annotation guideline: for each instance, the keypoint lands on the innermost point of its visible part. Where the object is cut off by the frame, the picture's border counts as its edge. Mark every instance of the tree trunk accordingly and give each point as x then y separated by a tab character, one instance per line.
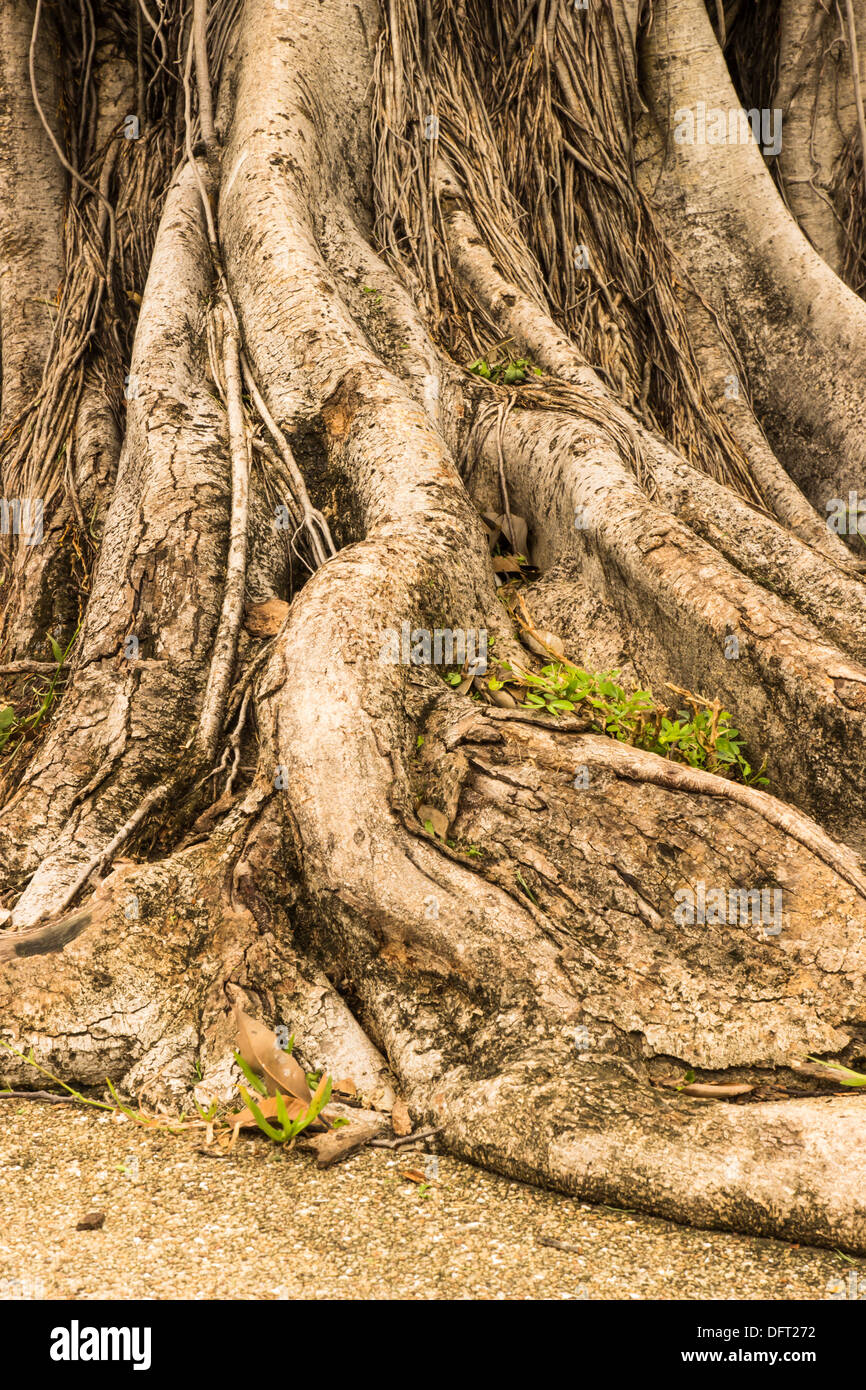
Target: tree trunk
368	312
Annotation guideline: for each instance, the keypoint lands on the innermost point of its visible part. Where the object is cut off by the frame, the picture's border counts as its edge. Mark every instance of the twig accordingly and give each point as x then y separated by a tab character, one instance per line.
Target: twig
404	1139
39	1095
153	799
20	668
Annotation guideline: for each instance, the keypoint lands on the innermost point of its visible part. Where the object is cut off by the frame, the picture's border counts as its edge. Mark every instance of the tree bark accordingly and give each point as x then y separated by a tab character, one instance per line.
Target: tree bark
364	334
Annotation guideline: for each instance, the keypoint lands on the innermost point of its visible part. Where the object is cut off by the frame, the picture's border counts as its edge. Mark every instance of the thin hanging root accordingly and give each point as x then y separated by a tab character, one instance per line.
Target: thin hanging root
70	169
316	526
205	97
204	743
234	744
855	77
548	175
226	642
321	542
638	766
155	797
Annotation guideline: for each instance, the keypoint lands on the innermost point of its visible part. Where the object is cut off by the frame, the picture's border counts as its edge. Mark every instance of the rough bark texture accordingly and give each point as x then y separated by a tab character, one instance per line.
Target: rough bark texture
238	795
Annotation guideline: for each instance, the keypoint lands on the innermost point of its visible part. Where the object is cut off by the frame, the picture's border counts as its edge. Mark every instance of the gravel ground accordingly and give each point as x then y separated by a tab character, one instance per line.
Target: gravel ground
263	1224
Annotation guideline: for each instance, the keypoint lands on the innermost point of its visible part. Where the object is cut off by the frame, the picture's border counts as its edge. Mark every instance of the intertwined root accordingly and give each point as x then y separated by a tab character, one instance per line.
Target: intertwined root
528	972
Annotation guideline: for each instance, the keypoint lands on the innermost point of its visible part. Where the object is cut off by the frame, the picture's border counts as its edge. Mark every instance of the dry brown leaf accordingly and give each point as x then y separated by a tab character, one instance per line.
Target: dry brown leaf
413	1175
502	698
699	1088
261	1051
400	1121
346	1087
339	1144
506	564
265	619
498	525
518	537
543	643
438	820
245	1119
818	1070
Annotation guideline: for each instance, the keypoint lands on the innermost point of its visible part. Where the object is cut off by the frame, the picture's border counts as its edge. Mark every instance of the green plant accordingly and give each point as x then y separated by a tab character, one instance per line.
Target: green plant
117	1106
288	1128
255	1081
504	369
702	737
844	1075
10	723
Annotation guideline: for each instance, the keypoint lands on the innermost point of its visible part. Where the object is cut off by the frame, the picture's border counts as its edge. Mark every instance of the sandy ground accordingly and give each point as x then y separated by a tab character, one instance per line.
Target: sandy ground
264	1224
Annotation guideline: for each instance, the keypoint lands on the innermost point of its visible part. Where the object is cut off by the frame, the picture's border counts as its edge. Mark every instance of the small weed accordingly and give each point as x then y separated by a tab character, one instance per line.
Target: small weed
701	737
843	1075
525	886
504	370
15	726
287	1128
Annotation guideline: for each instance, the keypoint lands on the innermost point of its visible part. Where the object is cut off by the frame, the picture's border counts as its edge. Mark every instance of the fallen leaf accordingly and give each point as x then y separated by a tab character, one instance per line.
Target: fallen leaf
346	1087
699	1088
261	1051
559	1244
413	1175
265	619
543	643
400	1121
245	1119
498	525
832	1072
436	818
506	564
518	536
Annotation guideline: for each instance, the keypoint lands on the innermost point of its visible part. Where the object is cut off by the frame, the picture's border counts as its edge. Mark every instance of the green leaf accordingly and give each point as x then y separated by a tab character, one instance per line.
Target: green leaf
259	1118
845	1076
255	1081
